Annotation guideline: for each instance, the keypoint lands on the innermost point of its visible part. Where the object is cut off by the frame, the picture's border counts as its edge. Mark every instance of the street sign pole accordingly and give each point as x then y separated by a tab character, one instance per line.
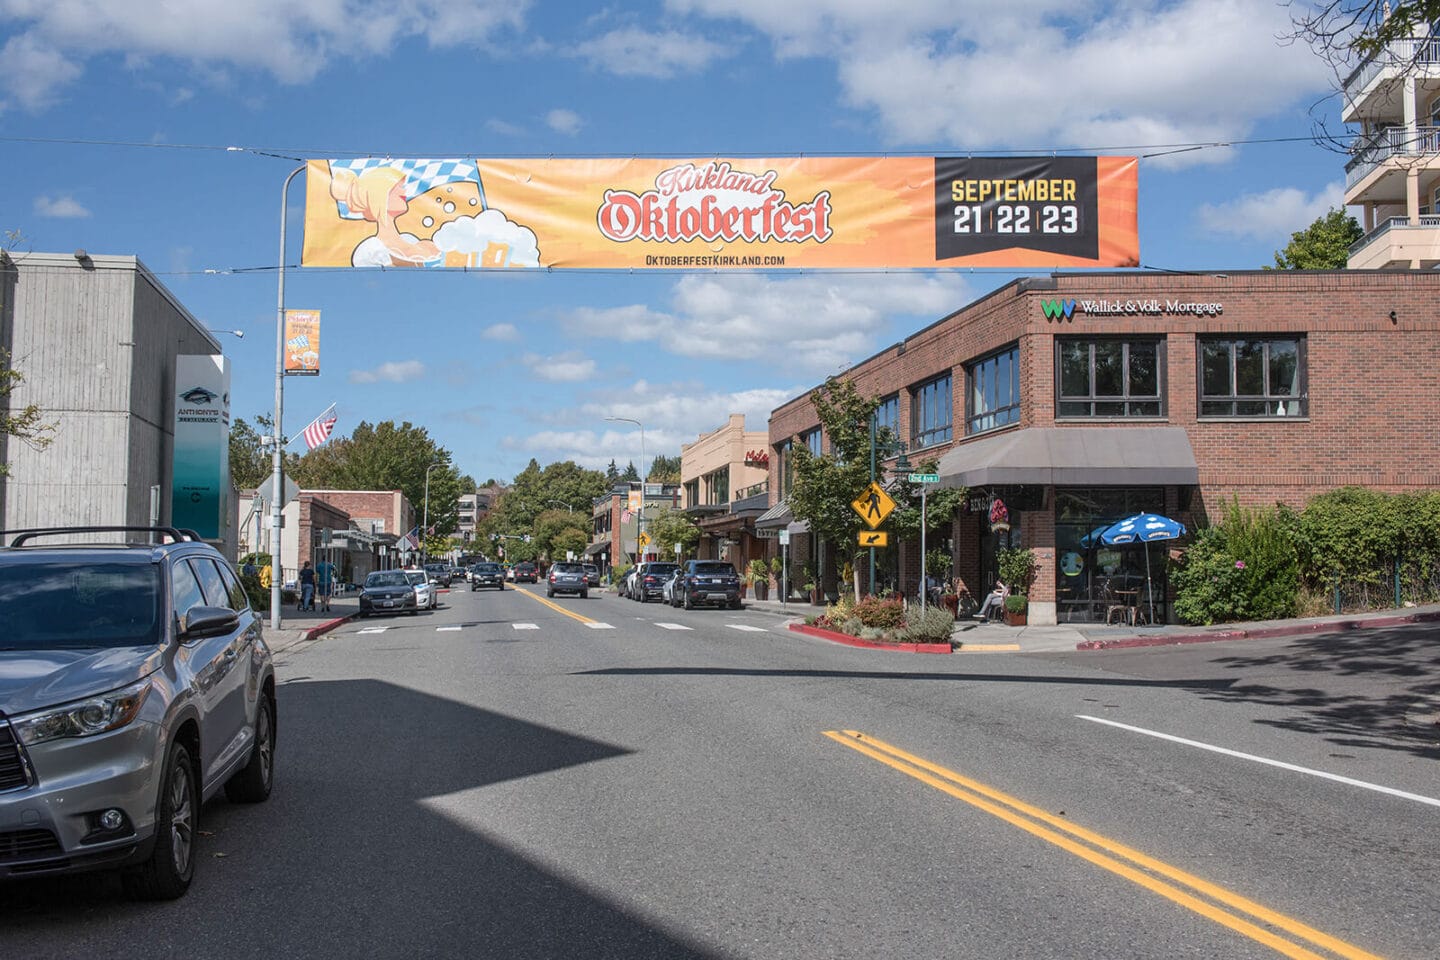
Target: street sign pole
924	583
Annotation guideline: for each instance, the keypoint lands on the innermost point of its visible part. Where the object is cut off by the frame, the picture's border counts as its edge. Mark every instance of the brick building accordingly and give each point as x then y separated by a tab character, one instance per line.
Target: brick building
1078	399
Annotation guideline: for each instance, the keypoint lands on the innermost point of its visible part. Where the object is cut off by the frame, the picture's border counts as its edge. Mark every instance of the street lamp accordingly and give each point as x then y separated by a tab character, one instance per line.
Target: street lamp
640	517
238	334
563	504
277	473
425	526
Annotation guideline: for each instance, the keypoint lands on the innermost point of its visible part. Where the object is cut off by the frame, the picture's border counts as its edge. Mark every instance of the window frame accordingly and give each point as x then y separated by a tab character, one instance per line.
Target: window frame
892	402
1126	398
1300	396
941	431
1010	410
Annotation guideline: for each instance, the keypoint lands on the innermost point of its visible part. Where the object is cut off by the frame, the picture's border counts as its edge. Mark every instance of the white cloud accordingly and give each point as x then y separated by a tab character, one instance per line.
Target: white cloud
564	121
568	367
633	52
504	332
291	41
1272	215
811	324
65	207
1030	74
395	371
504	128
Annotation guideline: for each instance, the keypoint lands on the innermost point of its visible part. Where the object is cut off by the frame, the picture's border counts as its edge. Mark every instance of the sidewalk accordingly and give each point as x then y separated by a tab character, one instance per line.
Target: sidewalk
298	626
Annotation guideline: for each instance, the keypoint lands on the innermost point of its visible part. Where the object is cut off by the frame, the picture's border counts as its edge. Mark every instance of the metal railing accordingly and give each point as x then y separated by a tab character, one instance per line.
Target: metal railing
1397	53
755	488
1367	153
1427	222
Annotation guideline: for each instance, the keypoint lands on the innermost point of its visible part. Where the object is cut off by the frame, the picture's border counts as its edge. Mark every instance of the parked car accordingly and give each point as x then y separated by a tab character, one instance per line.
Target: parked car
525	573
592	574
388	591
135	684
487	575
709	581
439	573
623	585
670	593
649	582
426	596
565	577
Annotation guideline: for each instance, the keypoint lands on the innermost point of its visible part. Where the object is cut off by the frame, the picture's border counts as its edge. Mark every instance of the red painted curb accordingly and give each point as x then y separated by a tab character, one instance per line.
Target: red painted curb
1258	633
325	627
848	640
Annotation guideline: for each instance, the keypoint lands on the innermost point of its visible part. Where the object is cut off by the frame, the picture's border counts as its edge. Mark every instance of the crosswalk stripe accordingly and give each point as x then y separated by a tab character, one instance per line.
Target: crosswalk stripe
374	629
526	626
445	629
746	627
599	626
674	626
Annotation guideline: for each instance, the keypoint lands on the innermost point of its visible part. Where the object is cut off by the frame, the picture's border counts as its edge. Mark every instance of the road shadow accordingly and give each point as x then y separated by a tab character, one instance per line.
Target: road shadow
959	676
348	859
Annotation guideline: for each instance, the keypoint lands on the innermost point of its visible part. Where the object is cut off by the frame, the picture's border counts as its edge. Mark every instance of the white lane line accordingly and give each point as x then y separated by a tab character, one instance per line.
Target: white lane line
599	626
374	630
1349	781
746	627
446	629
674	626
526	626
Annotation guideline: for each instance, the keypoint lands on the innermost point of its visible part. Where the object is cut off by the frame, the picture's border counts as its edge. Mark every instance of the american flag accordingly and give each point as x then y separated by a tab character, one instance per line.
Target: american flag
624	516
319	430
412	539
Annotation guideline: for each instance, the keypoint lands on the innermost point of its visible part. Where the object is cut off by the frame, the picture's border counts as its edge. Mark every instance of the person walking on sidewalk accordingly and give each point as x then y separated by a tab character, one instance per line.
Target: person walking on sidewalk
324	582
307	587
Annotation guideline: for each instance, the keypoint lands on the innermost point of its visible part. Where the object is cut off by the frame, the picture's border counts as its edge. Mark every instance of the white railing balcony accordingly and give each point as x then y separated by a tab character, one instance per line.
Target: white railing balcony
1396	225
1399	54
1369	152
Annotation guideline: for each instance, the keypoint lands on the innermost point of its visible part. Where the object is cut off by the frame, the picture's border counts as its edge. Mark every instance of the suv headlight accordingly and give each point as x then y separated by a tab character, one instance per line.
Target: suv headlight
83	718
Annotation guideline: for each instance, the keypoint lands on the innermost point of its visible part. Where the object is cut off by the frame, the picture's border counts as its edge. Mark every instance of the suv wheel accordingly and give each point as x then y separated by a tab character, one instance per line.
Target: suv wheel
252	783
166	875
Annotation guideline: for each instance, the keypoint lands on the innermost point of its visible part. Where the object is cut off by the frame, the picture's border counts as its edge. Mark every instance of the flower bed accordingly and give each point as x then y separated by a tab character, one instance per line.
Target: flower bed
848	640
884	622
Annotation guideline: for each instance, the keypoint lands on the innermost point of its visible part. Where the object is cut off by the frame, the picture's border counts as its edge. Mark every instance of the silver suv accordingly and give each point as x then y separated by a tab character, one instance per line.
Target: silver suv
135	684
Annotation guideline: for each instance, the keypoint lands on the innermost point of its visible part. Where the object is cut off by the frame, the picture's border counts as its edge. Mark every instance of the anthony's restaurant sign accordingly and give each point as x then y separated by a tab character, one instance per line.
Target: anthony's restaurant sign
787	213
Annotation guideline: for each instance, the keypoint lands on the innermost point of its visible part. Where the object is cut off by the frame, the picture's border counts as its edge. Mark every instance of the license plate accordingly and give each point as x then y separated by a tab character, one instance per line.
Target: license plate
387	603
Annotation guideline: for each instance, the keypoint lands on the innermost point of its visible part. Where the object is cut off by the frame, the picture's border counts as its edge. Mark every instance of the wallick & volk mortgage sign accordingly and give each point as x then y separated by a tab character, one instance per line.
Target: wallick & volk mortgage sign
787	213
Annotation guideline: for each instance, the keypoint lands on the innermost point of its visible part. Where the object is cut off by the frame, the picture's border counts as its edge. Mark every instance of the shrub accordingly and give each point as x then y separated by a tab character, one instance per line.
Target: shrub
842	609
1016	567
1210	587
872	633
934	626
1016	603
852	627
884	614
1244	568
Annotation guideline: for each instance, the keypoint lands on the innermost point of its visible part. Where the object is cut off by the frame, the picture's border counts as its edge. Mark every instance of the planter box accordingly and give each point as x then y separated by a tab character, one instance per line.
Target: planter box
850	641
1015	619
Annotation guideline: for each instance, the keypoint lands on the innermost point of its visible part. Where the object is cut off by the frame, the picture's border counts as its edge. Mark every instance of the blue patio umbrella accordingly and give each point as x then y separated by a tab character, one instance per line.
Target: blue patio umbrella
1143	528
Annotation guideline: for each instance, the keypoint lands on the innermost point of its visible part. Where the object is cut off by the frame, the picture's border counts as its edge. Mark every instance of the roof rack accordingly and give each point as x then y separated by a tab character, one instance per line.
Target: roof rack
21	537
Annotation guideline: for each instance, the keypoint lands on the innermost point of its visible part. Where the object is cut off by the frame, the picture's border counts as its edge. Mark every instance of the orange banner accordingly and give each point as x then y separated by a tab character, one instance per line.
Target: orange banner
767	214
302	343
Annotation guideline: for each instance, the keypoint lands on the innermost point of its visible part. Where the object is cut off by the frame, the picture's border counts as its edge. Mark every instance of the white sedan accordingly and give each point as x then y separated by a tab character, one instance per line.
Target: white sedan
426	596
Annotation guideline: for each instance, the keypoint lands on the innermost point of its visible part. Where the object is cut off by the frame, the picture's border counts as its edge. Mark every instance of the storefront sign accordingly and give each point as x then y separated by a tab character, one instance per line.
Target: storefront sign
200	472
999	516
715	213
1058	311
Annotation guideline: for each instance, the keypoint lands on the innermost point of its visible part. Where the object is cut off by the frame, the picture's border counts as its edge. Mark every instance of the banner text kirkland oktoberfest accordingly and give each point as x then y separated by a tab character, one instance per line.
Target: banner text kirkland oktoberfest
712	260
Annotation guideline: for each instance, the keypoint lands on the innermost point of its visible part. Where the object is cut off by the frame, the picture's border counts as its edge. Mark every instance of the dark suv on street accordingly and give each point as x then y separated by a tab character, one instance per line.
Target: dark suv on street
487	575
649	583
135	684
707	581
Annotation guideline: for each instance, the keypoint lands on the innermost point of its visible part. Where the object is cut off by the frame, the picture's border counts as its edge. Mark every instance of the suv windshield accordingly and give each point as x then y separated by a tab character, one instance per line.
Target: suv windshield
387	579
487	568
713	570
567	568
79	604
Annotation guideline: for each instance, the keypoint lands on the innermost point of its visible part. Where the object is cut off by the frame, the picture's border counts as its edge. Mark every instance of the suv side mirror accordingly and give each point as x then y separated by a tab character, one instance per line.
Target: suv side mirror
202	621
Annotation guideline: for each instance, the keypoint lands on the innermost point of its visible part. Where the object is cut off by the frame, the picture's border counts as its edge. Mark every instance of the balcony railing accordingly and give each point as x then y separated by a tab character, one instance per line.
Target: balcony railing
762	487
1397	53
1370	152
1427	222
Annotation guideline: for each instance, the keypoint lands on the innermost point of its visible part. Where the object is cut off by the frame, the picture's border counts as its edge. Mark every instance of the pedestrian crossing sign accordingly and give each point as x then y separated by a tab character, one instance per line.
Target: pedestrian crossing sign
874	505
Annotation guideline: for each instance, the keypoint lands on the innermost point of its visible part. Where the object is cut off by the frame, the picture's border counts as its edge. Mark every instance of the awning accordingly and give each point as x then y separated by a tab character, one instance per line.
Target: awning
1074	457
595	548
776	517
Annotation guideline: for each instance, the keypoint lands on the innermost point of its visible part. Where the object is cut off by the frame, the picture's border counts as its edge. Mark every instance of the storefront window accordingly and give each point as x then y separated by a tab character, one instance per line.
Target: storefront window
1110	378
994	391
1253	378
931	413
1089	575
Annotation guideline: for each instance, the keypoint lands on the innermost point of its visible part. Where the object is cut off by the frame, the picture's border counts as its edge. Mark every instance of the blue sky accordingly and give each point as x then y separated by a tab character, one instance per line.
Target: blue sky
115	116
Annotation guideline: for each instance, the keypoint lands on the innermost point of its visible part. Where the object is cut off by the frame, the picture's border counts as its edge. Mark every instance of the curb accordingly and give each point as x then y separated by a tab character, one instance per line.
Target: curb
1259	633
870	644
326	627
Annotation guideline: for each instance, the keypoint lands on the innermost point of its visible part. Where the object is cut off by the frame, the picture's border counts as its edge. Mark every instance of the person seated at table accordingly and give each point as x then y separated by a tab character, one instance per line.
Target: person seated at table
995	598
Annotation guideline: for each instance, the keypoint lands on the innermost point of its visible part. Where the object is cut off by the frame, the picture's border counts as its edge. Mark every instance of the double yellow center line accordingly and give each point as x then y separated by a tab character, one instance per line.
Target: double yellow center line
554	606
1214	902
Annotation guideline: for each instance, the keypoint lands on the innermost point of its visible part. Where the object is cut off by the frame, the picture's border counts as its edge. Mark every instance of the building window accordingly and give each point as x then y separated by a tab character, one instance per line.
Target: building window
1110	378
813	440
887	416
717	486
692	493
994	399
1253	378
782	466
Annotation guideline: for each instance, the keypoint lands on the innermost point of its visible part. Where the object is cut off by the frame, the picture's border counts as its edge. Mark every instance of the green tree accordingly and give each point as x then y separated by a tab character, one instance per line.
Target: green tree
612	474
571	540
1340	30
534	492
664	470
1324	245
250	461
25	424
630	472
669	527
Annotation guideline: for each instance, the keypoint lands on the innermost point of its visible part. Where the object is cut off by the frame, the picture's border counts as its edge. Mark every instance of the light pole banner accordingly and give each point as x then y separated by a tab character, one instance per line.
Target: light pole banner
302	343
711	213
200	472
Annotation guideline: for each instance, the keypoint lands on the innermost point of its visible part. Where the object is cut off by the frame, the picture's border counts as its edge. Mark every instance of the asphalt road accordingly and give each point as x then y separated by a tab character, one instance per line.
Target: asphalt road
502	779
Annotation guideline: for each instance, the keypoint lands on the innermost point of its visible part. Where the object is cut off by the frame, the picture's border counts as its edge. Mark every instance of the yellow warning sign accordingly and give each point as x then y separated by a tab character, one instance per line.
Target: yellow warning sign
874	505
874	538
643	539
